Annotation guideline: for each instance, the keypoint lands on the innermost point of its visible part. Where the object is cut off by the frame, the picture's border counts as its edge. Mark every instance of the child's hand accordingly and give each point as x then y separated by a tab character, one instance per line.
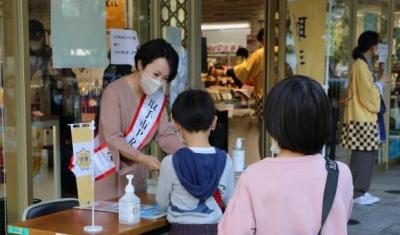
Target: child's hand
149	161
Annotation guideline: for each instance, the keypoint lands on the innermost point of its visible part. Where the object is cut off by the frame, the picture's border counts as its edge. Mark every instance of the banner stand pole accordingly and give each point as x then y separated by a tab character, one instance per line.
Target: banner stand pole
93	228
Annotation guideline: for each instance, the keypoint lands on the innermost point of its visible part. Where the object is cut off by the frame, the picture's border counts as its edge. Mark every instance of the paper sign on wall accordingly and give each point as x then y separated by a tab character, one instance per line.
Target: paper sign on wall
174	36
383	52
124	44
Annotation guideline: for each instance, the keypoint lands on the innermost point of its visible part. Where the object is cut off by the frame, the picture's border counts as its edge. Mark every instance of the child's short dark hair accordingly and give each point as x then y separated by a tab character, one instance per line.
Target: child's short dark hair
297	115
194	110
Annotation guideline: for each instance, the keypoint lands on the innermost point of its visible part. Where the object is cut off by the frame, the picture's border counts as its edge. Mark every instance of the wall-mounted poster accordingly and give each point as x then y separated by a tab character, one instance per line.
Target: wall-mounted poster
116	17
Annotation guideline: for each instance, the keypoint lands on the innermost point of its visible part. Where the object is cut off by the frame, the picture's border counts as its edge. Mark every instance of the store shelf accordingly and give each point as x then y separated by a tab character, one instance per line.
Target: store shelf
219	54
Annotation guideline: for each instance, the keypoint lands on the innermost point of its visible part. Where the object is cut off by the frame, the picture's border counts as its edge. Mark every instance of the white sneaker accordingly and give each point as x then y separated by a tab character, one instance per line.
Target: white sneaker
363	201
374	199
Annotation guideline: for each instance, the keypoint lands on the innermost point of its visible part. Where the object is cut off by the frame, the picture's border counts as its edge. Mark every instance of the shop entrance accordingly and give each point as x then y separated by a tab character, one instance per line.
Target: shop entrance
232	60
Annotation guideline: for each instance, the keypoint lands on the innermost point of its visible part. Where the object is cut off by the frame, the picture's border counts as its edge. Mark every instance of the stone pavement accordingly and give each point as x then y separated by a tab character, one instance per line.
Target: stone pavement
382	218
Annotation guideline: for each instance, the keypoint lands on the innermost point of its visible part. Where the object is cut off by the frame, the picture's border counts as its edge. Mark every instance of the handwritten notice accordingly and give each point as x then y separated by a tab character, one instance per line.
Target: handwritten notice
124	44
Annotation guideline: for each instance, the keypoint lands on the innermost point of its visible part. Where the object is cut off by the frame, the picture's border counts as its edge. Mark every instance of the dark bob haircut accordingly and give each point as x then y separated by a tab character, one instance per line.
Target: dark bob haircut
366	41
155	49
194	110
298	115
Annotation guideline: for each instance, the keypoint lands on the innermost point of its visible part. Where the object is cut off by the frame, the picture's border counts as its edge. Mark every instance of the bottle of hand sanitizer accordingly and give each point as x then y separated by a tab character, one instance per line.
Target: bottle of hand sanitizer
129	205
238	155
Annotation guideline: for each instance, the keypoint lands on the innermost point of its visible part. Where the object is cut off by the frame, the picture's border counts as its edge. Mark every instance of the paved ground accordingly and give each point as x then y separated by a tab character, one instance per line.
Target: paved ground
382	218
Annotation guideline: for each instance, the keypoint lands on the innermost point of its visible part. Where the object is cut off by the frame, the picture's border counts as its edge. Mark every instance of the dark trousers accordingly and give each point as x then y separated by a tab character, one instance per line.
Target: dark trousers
361	166
193	229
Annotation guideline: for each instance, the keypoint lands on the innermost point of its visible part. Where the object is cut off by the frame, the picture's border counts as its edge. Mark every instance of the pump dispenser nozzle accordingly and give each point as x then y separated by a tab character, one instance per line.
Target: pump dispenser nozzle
238	155
129	187
239	143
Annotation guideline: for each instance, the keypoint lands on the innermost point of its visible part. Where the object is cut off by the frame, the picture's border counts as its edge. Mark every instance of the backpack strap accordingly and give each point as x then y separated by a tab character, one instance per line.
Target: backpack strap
330	189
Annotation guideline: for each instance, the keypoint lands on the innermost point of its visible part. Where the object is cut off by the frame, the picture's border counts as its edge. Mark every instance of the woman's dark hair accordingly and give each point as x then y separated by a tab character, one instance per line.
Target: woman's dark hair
194	110
158	48
298	115
260	35
367	40
242	52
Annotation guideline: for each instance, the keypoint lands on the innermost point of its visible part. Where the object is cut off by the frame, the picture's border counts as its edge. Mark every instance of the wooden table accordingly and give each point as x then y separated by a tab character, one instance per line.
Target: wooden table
72	221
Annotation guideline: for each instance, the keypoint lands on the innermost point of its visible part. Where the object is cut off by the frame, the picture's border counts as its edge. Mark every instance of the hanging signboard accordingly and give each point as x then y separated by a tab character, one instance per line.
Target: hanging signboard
116	17
308	26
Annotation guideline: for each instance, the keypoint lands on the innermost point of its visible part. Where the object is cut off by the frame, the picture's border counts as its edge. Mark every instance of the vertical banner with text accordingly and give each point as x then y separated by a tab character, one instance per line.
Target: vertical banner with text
309	29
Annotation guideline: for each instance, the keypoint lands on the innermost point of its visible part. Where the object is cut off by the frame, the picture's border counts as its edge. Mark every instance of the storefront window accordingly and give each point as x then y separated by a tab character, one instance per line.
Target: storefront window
60	96
370	15
394	111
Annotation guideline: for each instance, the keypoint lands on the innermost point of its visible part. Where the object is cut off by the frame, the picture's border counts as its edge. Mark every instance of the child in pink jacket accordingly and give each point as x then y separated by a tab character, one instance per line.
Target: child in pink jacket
284	195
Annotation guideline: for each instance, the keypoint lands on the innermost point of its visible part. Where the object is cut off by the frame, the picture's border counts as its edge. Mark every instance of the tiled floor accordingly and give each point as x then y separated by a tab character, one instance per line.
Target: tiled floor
382	218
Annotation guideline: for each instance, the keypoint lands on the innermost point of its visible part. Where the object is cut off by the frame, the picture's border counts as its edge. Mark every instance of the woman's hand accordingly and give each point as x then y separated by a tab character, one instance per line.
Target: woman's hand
218	72
384	79
149	161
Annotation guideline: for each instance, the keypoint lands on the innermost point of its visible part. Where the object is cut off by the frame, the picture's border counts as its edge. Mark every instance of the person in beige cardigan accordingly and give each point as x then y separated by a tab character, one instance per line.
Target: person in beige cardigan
156	64
360	131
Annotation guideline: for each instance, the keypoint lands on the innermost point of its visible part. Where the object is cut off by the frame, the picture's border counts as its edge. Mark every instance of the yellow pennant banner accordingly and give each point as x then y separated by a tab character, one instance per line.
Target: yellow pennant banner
82	162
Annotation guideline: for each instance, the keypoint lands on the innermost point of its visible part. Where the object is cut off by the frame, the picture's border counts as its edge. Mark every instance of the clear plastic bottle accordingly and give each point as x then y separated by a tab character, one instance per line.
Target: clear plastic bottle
129	205
238	156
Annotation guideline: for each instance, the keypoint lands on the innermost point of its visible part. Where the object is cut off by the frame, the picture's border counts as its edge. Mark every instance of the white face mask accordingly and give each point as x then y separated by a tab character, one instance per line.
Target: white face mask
149	85
275	149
